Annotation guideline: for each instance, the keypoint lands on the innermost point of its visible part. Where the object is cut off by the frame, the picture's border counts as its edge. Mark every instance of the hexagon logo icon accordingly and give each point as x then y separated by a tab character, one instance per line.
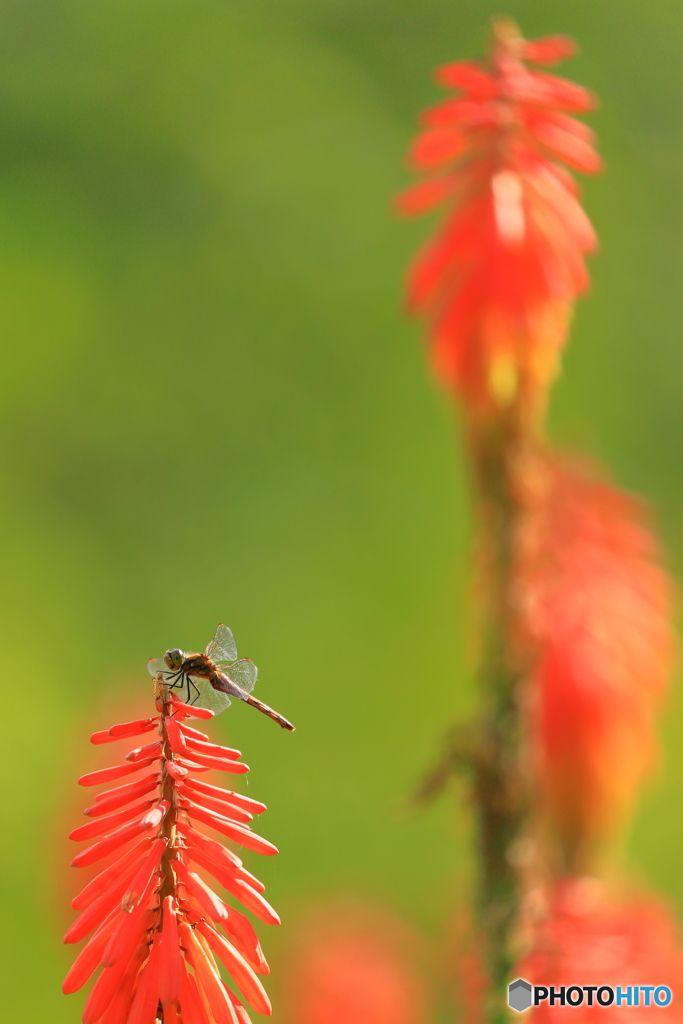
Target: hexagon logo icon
519	995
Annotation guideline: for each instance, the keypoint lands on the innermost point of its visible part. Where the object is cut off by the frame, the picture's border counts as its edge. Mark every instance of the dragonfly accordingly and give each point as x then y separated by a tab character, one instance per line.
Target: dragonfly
212	678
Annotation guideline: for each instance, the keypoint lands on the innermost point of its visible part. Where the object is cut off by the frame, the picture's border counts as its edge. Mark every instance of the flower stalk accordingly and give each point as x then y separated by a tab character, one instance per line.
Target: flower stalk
159	931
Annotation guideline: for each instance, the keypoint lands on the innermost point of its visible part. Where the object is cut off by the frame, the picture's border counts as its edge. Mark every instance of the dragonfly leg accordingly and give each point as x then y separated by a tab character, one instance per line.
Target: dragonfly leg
195	688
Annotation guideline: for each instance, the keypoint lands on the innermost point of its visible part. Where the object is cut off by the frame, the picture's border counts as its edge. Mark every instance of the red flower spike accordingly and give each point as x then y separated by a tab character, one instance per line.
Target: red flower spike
150	915
601	614
497	283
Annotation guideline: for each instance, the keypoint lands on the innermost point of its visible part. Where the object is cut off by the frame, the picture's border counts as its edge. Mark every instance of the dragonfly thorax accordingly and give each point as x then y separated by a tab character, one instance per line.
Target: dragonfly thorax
174	659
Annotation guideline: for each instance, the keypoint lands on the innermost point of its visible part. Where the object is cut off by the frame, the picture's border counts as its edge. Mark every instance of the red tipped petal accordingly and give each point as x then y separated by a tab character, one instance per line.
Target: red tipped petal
146	999
240	971
228	810
189	766
127	729
175	735
469	76
549	50
253	806
110	803
230	829
100	883
88	959
242	1015
102	737
189	731
253	901
131	931
191	1006
114	984
211	846
103	825
107	845
420	198
207	975
143	876
242	933
105	774
127	787
187	709
212	905
220	763
176	771
154	817
171	966
140	753
213	749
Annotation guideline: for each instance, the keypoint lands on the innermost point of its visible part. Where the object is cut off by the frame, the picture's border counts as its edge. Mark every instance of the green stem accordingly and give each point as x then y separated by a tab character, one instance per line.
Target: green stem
500	780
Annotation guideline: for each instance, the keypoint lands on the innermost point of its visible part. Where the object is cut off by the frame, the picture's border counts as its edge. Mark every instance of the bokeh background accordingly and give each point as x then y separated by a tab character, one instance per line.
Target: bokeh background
213	408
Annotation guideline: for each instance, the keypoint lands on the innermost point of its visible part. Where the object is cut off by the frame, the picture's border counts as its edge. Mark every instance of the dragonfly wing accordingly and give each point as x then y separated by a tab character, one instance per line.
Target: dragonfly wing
155	665
213	700
223	646
243	673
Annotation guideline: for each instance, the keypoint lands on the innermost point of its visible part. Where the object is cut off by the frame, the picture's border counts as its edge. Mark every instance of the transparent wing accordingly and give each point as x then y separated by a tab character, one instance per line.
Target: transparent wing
243	673
155	665
214	700
223	646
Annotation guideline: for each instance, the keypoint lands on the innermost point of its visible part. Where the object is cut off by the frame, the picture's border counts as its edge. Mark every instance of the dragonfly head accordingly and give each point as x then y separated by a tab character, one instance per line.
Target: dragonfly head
174	659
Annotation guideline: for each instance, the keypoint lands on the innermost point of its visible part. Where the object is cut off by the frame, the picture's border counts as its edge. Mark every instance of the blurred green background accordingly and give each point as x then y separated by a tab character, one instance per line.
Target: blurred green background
214	409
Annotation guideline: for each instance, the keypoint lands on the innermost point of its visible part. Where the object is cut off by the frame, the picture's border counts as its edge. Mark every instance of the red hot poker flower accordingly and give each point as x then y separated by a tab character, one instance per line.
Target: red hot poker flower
497	283
602	612
157	929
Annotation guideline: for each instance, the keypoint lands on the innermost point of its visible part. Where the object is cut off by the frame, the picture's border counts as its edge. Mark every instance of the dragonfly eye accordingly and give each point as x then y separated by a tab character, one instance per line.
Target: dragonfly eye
174	659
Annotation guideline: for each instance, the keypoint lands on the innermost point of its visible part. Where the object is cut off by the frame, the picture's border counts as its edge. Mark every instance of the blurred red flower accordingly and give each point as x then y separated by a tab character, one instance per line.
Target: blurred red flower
355	965
497	283
152	919
591	938
602	611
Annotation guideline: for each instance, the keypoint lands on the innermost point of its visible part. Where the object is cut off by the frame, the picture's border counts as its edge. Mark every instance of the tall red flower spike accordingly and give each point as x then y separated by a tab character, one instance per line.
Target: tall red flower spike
156	928
603	623
497	283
